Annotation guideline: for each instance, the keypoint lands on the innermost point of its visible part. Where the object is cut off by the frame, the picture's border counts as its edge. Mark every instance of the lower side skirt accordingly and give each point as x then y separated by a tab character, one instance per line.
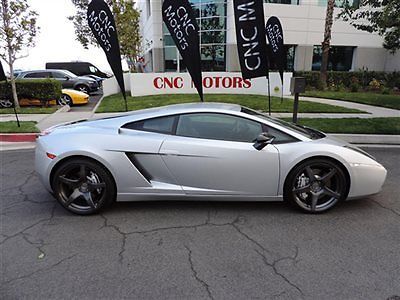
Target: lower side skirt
156	197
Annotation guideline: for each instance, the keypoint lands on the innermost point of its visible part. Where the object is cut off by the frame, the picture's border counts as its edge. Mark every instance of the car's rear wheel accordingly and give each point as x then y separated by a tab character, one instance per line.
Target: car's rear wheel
83	88
65	100
316	185
83	186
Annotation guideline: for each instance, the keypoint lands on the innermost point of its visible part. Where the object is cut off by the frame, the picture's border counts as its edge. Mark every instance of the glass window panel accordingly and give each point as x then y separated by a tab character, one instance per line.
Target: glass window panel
213	57
162	125
212	37
213	9
293	2
218	127
340	58
168	40
213	23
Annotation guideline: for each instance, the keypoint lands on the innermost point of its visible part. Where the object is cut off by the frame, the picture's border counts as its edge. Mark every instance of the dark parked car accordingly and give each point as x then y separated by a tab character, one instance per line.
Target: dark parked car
68	80
79	68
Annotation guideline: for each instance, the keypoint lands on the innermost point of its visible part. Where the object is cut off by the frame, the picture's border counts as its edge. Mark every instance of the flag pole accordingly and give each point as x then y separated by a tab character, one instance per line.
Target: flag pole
16	115
269	95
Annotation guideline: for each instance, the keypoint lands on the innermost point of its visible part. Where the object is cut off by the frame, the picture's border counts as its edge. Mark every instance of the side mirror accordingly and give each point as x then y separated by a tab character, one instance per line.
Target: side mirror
263	140
66	77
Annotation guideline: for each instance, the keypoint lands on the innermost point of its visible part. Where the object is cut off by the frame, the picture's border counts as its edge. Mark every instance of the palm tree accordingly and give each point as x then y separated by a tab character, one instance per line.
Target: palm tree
327	41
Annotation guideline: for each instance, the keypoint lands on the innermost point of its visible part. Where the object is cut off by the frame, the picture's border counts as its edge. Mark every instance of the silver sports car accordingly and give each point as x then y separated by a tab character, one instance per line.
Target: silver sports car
207	151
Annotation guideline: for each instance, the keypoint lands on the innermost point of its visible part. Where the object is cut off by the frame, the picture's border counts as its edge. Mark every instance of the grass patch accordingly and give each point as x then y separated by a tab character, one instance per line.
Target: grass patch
388	101
12	127
354	125
29	110
115	103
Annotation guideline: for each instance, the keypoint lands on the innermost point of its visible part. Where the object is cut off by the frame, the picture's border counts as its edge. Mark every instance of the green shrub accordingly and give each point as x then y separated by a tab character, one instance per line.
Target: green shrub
385	91
42	89
363	78
354	87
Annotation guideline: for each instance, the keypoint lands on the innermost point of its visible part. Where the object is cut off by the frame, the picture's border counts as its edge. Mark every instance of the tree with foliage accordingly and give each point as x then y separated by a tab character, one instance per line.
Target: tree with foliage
326	44
127	21
18	30
380	16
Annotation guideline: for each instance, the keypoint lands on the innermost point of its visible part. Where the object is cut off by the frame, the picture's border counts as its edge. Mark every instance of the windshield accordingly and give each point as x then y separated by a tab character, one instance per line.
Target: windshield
308	132
70	74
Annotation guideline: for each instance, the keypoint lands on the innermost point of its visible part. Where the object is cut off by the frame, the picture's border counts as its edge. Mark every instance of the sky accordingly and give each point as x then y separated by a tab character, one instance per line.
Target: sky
56	40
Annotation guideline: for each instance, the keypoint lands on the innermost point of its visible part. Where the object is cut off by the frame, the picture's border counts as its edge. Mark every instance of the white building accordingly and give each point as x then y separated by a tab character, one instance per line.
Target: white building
303	23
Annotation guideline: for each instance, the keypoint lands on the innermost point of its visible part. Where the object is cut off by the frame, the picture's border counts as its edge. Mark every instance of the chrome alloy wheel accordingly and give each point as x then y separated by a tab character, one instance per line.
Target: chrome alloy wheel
65	100
317	186
83	187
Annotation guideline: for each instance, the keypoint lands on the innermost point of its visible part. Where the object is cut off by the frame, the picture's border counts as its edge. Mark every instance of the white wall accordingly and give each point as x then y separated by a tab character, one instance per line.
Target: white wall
143	84
304	25
111	87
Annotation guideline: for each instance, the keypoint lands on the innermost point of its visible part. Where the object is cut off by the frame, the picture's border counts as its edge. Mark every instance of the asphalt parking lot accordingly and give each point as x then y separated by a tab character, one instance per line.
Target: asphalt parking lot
93	99
197	250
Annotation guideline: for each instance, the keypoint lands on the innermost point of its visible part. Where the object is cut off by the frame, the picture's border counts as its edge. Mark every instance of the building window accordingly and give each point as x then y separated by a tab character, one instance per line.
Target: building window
293	2
341	3
340	58
289	59
148	9
211	17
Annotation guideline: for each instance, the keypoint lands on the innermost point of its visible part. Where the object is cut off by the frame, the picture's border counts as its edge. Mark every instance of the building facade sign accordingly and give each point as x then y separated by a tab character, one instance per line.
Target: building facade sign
143	84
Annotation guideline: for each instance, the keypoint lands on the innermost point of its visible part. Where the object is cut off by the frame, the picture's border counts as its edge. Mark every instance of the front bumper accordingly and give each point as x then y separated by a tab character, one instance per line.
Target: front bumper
366	180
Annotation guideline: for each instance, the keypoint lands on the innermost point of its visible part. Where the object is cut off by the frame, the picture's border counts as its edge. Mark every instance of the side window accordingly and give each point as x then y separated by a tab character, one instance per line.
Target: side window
36	75
92	69
59	75
218	127
161	125
280	137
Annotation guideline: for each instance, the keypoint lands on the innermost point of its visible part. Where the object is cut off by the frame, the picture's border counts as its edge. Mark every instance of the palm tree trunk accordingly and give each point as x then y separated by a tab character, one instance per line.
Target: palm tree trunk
327	41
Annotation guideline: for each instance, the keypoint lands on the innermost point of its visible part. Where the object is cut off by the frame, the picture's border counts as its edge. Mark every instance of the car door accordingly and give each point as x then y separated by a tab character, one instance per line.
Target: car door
214	154
141	141
65	81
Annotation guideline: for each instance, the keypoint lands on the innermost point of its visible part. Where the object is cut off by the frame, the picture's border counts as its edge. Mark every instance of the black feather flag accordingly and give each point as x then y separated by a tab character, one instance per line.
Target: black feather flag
274	34
2	74
101	22
179	17
250	36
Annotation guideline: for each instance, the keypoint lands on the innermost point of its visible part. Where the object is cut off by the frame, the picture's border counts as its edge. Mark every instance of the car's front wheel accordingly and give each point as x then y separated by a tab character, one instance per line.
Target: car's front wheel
83	186
65	100
316	185
6	103
83	88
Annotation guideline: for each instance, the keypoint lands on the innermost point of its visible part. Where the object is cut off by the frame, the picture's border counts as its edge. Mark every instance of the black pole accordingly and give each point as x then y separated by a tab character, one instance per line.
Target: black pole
126	104
295	107
16	116
269	96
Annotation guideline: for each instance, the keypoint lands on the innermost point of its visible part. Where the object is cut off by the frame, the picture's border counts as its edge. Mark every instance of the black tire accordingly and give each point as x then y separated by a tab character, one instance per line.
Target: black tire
83	186
83	88
65	100
316	185
6	103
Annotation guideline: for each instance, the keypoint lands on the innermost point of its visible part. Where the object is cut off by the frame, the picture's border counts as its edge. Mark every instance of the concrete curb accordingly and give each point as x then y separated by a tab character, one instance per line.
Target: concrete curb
18	137
369	139
93	112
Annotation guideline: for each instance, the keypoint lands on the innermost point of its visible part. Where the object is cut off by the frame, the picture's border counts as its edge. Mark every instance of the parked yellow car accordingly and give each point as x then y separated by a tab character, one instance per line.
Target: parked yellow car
72	97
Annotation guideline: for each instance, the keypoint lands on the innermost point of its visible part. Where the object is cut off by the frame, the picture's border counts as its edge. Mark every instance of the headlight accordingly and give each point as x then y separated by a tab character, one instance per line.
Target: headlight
360	151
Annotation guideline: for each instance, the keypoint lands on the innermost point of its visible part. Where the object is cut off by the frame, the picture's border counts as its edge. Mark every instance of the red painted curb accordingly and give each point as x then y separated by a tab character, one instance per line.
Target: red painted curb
18	137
